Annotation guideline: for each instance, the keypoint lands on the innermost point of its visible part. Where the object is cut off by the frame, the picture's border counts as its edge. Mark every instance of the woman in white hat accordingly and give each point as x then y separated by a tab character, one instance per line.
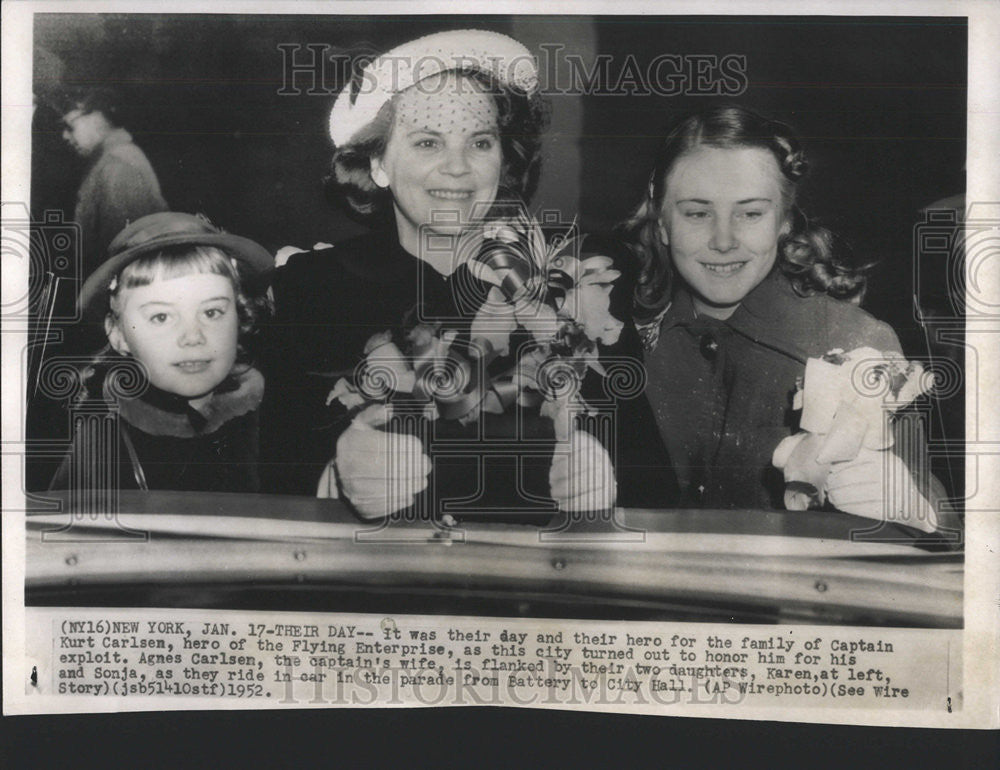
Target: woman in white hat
428	138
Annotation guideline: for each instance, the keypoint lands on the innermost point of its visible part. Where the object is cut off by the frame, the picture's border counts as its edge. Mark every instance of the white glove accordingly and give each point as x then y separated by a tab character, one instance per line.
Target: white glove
805	476
380	472
584	478
877	485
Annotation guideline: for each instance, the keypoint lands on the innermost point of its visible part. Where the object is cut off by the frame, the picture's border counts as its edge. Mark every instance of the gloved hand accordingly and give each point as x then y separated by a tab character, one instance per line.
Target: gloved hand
875	484
583	479
805	475
878	485
380	472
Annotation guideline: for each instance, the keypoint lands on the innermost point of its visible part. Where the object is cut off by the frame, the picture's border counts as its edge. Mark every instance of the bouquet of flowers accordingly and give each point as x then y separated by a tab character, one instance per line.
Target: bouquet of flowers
847	400
530	343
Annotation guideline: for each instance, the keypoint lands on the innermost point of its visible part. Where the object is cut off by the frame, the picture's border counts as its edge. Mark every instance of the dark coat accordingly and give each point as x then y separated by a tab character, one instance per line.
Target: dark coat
329	302
722	390
163	443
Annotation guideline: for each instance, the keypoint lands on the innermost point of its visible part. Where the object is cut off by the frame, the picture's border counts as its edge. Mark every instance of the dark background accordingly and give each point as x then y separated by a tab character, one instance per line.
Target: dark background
880	104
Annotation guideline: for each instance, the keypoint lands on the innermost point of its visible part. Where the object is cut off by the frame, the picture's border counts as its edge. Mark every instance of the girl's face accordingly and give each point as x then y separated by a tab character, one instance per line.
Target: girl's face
722	216
443	157
183	330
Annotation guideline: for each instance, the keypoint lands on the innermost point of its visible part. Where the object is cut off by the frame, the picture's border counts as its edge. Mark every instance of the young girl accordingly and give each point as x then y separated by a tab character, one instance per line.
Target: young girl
176	371
736	291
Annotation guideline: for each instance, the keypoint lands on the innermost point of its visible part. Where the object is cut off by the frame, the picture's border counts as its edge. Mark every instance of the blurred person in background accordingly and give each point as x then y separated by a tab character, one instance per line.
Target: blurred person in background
119	185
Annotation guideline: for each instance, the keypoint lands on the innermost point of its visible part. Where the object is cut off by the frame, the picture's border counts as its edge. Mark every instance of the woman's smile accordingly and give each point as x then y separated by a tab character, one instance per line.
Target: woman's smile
723	269
451	195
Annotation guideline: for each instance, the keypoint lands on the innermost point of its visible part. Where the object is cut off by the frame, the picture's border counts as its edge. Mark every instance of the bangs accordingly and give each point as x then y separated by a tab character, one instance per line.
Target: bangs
176	262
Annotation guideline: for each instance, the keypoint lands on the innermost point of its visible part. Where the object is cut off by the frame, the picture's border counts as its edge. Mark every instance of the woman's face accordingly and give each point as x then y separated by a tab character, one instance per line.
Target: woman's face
443	157
722	216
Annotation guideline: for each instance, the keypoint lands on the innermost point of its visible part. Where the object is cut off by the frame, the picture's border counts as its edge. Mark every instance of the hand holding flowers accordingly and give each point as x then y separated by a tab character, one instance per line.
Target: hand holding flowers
545	294
381	471
843	453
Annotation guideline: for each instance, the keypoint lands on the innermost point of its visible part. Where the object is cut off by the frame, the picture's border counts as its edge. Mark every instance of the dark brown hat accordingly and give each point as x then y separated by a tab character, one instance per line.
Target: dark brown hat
163	230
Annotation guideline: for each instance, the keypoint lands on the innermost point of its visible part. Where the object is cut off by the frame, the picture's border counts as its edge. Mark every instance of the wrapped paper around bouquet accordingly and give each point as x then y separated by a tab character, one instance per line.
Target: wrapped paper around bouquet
549	294
513	365
847	402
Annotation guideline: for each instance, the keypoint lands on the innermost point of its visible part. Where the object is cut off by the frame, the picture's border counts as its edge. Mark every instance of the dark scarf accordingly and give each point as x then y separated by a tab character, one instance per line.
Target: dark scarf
159	413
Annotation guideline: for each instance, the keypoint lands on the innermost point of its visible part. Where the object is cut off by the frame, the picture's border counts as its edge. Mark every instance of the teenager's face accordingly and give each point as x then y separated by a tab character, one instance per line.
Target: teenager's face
84	131
722	216
442	158
183	330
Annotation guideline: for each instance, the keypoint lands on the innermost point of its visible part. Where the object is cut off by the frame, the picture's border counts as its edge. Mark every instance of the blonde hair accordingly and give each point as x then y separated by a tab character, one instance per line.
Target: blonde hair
813	259
187	259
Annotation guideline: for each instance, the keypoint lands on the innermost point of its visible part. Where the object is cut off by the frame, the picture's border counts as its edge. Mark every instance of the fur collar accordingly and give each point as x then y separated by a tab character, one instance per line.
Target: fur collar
164	414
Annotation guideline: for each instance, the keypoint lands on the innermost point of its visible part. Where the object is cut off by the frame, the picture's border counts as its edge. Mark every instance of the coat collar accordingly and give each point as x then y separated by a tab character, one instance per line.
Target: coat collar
377	256
164	414
771	315
117	137
761	317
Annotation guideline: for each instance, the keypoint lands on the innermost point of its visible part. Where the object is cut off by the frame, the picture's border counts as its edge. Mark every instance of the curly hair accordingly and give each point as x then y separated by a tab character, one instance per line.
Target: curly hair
813	259
521	121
